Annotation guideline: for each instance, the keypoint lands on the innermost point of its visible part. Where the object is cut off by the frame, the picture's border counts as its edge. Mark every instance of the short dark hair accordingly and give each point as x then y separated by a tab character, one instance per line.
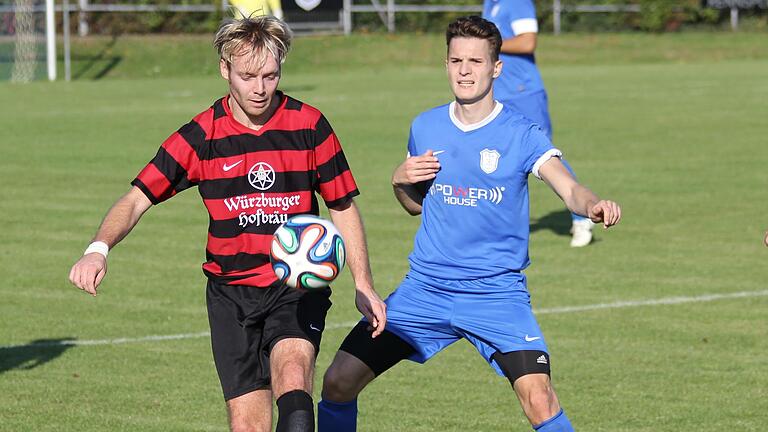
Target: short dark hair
475	27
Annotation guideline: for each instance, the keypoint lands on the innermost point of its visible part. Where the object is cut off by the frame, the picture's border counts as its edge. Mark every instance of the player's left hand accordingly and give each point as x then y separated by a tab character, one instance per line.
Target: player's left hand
373	309
605	211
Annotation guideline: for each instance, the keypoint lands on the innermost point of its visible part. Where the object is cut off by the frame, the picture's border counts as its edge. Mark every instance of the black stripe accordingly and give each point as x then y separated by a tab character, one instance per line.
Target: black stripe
172	170
218	109
239	262
194	135
335	166
230	228
323	130
285	182
139	184
342	200
292	104
273	140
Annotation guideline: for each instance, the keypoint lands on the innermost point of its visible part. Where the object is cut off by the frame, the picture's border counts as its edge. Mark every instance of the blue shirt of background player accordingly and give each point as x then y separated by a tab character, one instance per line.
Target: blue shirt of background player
519	75
475	216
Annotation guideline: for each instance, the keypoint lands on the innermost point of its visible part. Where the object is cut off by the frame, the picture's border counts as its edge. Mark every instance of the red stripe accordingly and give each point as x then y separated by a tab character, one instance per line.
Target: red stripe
282	120
243	243
183	153
337	188
205	121
156	182
215	268
328	149
279	160
229	208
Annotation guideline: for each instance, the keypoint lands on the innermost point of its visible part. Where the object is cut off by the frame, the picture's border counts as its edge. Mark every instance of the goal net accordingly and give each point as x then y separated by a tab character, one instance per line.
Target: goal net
22	40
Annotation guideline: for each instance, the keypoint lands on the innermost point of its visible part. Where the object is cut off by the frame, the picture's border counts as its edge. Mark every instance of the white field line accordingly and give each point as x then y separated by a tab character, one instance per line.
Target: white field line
333	326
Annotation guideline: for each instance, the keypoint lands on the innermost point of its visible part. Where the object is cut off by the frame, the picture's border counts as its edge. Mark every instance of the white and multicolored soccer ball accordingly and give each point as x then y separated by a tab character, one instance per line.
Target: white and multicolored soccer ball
307	252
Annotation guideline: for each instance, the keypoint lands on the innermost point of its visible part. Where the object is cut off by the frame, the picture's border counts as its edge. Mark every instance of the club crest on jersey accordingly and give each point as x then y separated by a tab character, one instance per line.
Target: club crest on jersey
261	176
489	160
308	5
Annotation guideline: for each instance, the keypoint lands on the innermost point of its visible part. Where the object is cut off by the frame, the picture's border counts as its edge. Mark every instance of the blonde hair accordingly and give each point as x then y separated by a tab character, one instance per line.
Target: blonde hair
253	35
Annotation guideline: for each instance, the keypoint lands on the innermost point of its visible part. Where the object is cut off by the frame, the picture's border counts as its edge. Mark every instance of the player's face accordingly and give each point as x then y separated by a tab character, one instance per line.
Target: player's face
253	82
471	70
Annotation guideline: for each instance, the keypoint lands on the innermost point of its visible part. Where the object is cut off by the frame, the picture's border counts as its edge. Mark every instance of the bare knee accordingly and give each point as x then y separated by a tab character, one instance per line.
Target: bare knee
345	378
238	425
537	397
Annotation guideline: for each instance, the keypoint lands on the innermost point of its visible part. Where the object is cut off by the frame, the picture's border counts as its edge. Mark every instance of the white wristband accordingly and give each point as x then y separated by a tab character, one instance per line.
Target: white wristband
98	247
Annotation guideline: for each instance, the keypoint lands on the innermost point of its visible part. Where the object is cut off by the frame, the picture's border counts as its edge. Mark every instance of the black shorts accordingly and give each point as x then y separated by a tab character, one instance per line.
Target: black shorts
246	323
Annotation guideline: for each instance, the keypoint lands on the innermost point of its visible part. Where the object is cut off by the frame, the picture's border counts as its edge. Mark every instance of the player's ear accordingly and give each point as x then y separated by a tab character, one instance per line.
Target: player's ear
497	67
224	69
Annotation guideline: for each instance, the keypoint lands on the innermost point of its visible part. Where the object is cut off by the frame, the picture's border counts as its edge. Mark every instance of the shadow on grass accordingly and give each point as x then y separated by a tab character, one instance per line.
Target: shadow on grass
33	354
559	222
98	65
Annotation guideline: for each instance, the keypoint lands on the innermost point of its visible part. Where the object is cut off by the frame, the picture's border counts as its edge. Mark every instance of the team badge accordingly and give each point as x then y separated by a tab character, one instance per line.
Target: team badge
489	160
261	176
308	5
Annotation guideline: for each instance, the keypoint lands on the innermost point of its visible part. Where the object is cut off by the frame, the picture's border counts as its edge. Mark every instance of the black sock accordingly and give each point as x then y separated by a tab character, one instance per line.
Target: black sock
295	412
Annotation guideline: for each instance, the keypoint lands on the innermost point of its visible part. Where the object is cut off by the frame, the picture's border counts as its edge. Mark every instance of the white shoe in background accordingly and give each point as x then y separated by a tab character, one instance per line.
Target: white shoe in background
582	232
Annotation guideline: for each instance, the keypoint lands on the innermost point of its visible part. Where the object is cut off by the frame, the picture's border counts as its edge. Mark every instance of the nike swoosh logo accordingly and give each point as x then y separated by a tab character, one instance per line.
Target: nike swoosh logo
531	339
438	152
229	167
312	326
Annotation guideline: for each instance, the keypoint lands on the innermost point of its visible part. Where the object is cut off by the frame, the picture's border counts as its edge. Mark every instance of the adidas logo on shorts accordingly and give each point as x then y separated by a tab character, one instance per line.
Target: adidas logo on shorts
542	359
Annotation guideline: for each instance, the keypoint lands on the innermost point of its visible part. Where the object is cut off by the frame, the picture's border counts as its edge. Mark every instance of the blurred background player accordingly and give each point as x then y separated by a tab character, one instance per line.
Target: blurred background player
247	8
520	85
466	276
255	142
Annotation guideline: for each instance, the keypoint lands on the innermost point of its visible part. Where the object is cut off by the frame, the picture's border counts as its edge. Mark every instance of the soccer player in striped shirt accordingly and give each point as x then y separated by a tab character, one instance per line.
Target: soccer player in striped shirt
467	177
257	156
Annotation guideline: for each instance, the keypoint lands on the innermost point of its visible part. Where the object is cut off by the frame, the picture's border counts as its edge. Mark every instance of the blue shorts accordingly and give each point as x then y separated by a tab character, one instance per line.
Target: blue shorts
494	314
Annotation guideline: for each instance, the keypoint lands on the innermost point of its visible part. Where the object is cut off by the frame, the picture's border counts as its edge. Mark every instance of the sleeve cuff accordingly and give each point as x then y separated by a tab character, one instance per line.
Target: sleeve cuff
525	25
543	158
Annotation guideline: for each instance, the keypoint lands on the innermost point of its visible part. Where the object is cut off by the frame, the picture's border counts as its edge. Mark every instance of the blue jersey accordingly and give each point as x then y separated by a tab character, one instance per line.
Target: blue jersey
519	75
475	220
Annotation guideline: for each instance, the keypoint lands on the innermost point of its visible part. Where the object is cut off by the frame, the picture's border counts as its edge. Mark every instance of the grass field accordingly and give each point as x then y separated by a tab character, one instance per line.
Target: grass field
659	326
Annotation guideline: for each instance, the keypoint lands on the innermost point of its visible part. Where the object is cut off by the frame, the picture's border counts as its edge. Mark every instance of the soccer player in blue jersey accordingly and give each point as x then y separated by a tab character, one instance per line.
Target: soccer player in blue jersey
520	85
467	175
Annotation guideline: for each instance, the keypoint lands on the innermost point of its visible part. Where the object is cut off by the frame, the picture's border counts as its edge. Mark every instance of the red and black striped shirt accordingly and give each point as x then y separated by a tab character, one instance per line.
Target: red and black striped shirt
250	181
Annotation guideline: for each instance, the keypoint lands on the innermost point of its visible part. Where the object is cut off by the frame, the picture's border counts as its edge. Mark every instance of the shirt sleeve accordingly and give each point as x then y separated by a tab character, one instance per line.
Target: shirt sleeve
412	144
335	181
539	149
522	17
175	166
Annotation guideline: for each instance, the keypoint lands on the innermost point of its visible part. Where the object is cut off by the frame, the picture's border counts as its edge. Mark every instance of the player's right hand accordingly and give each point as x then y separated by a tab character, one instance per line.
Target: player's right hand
373	309
88	272
416	169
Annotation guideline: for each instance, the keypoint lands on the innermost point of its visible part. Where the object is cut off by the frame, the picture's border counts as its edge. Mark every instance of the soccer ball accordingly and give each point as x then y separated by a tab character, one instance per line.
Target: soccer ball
307	252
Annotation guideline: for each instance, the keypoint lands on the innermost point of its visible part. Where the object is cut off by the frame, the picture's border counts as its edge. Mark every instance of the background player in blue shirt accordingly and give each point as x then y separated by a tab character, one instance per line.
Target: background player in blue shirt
520	85
467	175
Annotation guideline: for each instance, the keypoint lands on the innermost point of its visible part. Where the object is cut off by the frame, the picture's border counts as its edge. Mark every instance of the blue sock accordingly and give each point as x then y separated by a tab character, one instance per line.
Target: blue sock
558	423
337	416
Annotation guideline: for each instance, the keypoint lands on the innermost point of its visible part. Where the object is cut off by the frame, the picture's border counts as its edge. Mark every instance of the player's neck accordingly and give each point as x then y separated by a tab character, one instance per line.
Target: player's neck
252	121
470	113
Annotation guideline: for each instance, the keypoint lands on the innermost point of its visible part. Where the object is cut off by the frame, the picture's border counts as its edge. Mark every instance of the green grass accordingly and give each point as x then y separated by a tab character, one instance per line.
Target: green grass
674	129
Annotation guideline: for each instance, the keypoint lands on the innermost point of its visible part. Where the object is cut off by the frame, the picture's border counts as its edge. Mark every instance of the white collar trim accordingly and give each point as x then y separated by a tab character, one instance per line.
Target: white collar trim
470	127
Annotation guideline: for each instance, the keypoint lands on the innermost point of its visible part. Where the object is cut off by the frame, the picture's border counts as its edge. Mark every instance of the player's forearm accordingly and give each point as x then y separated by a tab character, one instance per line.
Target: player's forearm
409	197
350	224
521	44
122	217
580	200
